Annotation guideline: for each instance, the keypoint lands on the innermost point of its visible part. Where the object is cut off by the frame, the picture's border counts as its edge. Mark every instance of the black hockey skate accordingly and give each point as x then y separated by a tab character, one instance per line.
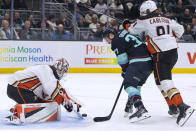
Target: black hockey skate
173	111
140	114
128	107
185	113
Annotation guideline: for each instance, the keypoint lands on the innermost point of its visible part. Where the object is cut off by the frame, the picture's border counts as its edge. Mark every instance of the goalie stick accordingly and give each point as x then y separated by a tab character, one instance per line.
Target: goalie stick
101	119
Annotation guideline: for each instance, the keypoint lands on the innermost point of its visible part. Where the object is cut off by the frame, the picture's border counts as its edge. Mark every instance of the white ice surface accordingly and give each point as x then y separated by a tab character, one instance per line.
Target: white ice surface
98	92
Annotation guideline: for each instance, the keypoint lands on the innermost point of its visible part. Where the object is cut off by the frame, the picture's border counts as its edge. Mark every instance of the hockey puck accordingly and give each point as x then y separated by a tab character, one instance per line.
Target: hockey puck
84	115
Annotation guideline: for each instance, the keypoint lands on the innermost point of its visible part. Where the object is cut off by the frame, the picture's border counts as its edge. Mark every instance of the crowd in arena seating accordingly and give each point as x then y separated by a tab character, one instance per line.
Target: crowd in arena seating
92	21
183	11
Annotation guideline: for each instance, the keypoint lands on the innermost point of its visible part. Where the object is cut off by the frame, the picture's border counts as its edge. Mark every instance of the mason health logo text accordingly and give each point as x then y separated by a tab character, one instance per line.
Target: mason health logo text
23	54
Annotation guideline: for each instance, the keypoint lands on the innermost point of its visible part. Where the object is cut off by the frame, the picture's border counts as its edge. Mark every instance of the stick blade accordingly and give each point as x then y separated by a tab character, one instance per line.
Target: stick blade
101	119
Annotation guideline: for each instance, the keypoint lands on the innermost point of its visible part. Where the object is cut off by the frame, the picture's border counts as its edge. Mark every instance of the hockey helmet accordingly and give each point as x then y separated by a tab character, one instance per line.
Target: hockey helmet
62	67
106	35
147	5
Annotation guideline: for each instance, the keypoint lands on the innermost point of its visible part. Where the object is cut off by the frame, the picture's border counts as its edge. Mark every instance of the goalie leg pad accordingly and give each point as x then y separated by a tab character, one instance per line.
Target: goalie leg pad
32	113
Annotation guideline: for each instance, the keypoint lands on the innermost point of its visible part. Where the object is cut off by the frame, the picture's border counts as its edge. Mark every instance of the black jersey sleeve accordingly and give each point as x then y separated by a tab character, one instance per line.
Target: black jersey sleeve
119	47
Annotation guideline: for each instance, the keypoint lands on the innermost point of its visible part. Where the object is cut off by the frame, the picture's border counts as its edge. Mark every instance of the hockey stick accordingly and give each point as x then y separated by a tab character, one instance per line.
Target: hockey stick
100	119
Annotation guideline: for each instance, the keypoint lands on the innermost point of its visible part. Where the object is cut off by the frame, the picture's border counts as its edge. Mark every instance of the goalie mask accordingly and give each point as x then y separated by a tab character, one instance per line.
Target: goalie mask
62	67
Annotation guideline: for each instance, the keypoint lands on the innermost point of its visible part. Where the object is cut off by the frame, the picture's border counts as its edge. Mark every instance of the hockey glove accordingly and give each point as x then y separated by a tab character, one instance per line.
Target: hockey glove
68	105
123	74
69	102
124	69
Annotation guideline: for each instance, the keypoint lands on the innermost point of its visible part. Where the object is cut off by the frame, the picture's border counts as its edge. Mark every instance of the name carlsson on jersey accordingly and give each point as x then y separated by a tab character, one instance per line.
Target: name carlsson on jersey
161	32
159	20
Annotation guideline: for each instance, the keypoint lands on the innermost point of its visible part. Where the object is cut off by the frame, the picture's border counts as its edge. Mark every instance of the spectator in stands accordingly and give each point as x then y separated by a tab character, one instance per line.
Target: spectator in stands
70	5
194	23
88	16
160	10
78	15
186	18
26	33
93	3
194	27
51	22
171	15
164	6
172	3
117	8
130	9
82	23
83	27
99	33
128	4
179	9
2	35
47	34
90	36
114	24
188	34
32	22
18	23
7	30
60	33
101	6
158	3
64	21
6	4
7	17
93	25
104	19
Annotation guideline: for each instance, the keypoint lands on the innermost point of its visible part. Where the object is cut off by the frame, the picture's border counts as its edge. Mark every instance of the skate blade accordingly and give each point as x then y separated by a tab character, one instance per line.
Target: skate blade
143	117
174	115
184	120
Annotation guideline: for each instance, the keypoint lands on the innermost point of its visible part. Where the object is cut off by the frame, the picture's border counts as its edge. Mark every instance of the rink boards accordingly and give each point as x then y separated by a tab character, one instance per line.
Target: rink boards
84	57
